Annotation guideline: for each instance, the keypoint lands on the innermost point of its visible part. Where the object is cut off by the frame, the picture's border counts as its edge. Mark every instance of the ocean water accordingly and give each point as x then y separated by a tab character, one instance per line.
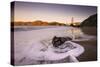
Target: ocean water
27	41
28	28
69	30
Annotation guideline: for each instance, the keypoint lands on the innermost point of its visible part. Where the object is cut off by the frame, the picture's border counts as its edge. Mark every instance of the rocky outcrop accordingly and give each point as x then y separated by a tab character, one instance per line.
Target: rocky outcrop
90	21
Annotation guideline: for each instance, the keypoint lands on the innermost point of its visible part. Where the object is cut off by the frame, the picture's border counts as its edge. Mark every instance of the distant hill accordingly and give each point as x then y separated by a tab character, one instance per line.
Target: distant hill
56	24
75	24
89	26
37	23
90	21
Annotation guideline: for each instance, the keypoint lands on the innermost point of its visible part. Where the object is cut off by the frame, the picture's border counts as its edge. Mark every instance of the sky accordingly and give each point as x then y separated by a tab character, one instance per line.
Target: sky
63	13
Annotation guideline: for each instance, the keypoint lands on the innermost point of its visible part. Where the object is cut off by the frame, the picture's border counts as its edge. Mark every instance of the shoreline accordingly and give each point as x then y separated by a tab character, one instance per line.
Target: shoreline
90	53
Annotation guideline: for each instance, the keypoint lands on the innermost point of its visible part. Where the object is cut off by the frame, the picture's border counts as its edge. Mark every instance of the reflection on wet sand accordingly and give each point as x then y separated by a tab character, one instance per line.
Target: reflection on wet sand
90	45
75	33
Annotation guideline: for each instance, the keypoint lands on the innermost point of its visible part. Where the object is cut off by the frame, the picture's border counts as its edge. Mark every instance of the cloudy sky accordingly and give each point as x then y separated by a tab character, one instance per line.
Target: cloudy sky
27	11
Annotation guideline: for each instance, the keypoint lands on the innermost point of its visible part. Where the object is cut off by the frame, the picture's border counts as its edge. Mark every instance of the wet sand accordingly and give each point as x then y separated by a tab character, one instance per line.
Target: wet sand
90	53
90	46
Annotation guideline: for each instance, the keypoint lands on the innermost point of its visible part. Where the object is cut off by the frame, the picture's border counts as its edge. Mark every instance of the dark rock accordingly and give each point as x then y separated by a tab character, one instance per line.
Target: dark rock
58	41
90	21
